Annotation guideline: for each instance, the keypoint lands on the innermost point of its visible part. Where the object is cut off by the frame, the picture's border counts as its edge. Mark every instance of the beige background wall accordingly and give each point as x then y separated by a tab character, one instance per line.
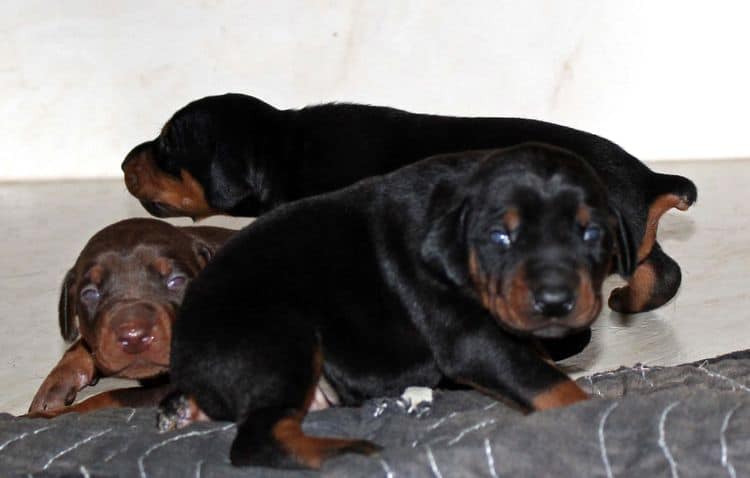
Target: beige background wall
82	81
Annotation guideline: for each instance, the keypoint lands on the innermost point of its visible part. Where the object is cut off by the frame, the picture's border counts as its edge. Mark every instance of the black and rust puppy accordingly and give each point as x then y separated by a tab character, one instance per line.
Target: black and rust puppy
119	301
446	270
234	154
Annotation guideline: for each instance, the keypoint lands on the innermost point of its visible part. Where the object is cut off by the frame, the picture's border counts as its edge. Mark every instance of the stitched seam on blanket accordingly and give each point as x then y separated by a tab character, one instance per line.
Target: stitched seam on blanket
602	444
711	373
663	442
386	468
724	447
24	435
433	463
490	459
74	446
142	458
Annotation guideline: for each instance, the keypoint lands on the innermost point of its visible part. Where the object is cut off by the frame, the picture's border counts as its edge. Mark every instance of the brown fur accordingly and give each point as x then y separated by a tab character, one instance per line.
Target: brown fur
149	183
563	394
657	209
512	219
637	294
125	331
511	303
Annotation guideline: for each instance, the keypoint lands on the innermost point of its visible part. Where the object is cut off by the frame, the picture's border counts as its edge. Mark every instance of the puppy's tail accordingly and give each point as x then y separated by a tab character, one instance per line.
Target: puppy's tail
665	191
273	437
681	191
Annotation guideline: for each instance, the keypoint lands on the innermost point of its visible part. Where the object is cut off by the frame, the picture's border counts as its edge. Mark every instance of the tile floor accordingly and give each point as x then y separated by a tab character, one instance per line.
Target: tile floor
46	225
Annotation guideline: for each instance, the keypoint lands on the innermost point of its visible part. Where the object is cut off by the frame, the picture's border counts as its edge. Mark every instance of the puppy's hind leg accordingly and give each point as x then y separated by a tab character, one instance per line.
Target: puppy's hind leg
657	277
272	436
654	282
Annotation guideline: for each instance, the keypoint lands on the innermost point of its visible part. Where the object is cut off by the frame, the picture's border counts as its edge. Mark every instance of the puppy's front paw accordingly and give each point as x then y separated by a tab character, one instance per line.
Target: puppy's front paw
178	411
416	401
52	396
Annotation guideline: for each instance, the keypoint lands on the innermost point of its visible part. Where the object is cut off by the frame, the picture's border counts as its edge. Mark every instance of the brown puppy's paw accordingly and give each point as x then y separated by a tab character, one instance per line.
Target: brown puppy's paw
50	414
53	396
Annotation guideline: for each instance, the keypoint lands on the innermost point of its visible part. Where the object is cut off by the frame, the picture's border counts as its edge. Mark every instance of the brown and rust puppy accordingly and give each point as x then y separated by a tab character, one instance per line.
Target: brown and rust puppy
121	297
449	270
234	154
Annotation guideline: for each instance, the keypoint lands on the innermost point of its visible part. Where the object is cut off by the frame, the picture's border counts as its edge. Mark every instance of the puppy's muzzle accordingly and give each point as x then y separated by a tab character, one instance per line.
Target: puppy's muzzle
158	209
553	287
136	168
134	326
554	301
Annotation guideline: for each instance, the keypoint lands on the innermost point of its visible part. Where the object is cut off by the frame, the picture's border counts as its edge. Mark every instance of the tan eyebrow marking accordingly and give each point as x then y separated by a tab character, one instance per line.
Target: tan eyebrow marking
512	219
162	265
95	274
583	216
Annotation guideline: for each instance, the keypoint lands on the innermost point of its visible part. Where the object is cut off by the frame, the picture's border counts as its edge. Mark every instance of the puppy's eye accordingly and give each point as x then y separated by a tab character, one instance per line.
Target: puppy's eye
90	294
592	233
500	237
176	281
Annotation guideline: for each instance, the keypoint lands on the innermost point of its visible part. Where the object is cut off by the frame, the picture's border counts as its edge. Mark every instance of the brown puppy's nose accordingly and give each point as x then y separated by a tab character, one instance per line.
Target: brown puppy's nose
134	338
133	328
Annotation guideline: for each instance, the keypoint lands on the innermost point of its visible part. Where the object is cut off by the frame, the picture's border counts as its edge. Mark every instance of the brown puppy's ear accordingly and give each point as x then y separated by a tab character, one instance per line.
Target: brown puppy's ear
626	251
67	308
203	252
443	248
205	241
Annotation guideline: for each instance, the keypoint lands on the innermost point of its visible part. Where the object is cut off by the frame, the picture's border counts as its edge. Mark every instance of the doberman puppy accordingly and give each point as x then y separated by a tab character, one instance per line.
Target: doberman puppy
121	297
445	271
234	154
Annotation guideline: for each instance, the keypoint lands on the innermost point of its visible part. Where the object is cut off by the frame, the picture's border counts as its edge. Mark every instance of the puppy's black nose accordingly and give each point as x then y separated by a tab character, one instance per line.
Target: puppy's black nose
554	301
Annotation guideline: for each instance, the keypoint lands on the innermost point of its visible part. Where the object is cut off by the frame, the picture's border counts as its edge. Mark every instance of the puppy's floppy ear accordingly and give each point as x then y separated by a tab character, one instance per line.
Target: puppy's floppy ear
206	241
67	313
443	248
227	185
203	252
626	252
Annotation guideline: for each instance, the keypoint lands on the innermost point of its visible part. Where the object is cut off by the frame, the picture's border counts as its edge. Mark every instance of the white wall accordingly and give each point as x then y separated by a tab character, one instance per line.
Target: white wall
82	81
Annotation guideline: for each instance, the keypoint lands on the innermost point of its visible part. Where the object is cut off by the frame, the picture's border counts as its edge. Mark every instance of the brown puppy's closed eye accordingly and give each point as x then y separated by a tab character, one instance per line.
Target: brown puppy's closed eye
117	305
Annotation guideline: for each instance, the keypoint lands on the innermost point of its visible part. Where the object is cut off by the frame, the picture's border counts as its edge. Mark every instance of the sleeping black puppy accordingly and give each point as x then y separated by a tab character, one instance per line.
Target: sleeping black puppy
234	154
445	270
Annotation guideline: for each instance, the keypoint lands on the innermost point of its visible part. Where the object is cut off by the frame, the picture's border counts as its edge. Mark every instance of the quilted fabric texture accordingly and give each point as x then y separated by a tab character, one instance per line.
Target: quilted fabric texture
688	420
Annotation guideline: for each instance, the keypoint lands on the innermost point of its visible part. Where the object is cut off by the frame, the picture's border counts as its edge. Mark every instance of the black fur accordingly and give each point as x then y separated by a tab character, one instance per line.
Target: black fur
249	157
377	276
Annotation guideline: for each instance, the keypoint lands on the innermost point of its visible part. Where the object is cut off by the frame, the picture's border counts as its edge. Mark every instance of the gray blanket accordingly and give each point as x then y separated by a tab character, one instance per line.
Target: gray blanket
689	420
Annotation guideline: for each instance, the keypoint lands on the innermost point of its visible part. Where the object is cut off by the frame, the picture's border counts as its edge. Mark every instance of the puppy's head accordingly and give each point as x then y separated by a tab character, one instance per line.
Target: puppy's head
208	159
531	237
122	293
